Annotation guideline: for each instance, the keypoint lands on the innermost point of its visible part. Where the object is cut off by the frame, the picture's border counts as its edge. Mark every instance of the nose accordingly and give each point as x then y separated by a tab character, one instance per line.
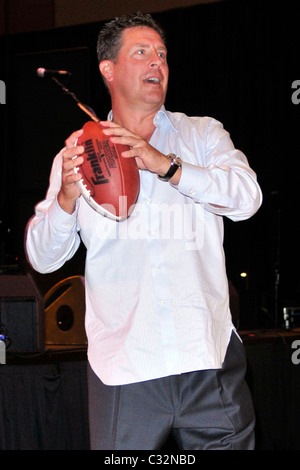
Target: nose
156	60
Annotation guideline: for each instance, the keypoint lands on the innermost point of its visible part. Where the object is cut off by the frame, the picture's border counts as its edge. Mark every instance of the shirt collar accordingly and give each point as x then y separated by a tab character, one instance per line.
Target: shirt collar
162	114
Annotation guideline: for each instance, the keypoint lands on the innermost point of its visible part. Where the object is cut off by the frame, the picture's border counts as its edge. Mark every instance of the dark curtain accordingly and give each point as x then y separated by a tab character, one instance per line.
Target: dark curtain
274	381
236	61
44	407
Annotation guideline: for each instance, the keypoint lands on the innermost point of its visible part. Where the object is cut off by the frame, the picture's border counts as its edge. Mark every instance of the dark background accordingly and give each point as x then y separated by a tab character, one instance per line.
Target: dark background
233	60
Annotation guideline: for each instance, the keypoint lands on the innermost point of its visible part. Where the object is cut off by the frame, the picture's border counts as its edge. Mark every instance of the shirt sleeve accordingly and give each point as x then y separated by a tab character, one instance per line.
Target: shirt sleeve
223	180
52	235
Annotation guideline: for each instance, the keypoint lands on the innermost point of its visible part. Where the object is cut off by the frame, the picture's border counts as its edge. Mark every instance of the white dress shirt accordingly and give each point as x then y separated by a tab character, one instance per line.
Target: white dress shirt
157	300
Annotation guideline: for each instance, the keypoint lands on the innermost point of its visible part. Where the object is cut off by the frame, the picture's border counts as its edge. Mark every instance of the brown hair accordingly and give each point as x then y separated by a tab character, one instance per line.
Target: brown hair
110	36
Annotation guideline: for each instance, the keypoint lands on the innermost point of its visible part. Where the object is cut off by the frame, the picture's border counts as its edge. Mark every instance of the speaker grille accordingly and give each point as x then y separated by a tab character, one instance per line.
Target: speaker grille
21	313
65	313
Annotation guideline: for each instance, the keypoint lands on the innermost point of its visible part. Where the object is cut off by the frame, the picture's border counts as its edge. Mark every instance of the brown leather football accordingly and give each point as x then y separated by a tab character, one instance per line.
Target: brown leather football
110	183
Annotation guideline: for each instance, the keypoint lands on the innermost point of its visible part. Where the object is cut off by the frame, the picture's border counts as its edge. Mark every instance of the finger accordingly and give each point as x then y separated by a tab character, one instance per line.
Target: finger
114	129
72	178
132	152
108	124
71	140
73	152
111	128
131	141
70	165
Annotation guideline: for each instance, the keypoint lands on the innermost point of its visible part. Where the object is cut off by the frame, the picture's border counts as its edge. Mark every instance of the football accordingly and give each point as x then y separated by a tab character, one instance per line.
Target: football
110	183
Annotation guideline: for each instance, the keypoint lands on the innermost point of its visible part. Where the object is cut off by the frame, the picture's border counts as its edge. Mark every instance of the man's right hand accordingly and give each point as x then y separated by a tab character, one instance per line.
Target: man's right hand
69	191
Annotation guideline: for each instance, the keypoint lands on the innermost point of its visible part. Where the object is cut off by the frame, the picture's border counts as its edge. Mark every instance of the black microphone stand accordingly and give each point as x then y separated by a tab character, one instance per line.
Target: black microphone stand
87	109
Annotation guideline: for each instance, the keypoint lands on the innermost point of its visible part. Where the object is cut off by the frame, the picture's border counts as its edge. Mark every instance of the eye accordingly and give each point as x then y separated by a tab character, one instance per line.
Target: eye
162	55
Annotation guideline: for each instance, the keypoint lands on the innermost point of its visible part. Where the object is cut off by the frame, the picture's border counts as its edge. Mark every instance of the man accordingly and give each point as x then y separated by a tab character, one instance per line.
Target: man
163	353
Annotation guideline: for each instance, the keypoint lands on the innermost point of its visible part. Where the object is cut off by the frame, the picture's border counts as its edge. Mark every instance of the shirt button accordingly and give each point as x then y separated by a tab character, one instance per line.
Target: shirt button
162	302
157	268
192	192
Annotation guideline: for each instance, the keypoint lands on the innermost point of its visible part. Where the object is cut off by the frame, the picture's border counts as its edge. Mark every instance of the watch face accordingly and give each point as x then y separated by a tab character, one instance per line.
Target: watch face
174	159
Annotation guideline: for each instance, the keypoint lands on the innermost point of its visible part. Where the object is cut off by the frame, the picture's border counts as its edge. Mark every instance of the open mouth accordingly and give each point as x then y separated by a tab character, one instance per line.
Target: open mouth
154	80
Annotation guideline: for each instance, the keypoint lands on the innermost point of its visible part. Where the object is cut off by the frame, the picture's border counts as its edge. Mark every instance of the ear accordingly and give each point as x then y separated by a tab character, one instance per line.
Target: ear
106	69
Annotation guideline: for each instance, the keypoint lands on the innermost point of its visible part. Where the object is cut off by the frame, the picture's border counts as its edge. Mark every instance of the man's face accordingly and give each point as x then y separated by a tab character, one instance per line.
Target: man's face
140	73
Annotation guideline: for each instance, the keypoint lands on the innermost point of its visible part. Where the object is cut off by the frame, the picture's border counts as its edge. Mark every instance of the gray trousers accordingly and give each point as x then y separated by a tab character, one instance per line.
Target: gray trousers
210	409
